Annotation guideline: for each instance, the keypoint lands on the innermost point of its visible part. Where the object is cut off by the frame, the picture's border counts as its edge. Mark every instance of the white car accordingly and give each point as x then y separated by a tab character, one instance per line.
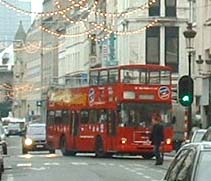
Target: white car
191	163
198	135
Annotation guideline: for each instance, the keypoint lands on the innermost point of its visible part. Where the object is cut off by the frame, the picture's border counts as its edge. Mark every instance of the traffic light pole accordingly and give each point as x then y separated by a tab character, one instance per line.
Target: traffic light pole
189	126
209	106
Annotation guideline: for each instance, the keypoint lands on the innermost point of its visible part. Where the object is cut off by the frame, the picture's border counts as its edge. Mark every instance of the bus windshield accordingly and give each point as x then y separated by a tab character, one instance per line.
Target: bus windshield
143	76
136	114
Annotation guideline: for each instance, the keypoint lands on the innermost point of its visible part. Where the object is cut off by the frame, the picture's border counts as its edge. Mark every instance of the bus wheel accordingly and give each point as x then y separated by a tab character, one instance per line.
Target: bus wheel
99	148
148	156
63	146
52	151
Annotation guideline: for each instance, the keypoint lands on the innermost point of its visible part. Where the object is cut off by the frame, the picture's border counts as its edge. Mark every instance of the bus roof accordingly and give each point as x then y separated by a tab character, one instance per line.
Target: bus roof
138	66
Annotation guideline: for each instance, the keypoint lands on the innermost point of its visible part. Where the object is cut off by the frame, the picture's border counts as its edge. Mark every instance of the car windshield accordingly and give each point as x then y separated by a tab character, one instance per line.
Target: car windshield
203	169
36	130
198	136
14	126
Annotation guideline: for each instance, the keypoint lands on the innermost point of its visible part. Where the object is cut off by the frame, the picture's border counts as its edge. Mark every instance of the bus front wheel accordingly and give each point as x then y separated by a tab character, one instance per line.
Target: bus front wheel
63	146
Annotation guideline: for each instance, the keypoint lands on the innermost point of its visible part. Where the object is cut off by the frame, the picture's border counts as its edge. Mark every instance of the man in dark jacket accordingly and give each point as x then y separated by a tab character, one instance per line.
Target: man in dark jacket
157	136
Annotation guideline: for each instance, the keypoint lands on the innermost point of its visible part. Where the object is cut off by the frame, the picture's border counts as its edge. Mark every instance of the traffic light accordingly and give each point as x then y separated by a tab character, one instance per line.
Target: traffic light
185	90
39	103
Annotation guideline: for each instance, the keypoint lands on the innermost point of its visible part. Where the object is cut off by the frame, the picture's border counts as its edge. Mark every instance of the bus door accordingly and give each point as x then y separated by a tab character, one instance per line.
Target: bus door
67	123
75	129
112	129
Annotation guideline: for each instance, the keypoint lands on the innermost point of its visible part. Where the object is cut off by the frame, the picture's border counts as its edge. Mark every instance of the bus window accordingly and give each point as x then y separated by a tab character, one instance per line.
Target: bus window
84	117
66	117
154	77
130	76
113	76
93	79
126	76
142	77
103	77
102	116
58	117
93	116
165	78
50	117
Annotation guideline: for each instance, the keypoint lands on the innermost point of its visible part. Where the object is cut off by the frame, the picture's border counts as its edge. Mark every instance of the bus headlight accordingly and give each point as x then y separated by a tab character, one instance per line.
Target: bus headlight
168	141
28	141
123	140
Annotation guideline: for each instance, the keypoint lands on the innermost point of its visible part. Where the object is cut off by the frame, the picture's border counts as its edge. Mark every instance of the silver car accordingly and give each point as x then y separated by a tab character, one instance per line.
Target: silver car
35	138
191	163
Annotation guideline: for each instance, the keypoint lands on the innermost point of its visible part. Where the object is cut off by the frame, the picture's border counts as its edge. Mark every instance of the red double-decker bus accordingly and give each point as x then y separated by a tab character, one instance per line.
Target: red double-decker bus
113	113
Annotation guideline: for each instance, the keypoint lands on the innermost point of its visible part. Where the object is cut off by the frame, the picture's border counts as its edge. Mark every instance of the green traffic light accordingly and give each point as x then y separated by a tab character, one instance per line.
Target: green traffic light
186	98
185	90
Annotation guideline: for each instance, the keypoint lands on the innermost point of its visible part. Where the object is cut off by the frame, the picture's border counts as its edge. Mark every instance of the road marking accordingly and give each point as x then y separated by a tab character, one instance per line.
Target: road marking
54	163
38	169
103	164
111	164
147	177
79	163
24	165
28	156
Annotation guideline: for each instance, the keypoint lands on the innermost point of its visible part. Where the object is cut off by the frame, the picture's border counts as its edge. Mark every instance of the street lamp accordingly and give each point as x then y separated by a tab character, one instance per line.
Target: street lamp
208	74
189	34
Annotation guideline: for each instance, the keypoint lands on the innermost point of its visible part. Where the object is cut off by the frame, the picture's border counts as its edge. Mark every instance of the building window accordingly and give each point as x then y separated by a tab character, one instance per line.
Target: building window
153	45
172	47
171	8
154	9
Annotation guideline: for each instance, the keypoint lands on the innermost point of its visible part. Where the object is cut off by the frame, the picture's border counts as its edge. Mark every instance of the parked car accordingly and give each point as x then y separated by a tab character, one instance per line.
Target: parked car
198	135
14	129
3	141
191	163
35	138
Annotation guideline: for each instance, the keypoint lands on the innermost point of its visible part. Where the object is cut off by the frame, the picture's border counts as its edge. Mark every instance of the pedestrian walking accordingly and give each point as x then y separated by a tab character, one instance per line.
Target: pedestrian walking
157	137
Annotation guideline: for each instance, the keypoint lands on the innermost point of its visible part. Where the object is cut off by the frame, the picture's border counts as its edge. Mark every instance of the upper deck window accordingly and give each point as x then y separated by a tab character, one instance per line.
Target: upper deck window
165	77
132	76
103	77
142	76
154	77
93	78
113	76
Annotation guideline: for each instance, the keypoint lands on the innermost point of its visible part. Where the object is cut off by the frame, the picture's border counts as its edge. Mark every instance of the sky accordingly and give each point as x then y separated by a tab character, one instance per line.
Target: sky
36	5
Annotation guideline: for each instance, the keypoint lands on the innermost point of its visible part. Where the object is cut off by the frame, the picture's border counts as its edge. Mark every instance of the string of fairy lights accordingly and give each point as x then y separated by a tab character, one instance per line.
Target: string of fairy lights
74	4
62	9
107	31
